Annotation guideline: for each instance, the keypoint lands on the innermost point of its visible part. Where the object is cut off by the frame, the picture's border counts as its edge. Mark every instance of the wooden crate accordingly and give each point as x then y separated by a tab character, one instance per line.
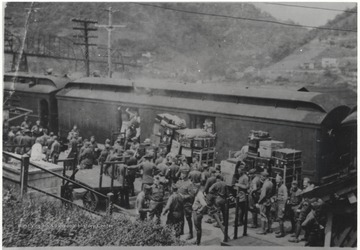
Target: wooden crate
206	156
266	148
287	154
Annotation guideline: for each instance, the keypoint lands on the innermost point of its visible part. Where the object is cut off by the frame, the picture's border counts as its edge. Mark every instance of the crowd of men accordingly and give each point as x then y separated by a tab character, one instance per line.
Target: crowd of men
33	140
184	190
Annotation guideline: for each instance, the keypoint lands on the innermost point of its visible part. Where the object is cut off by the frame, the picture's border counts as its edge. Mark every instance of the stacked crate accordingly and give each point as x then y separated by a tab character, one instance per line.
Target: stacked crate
255	137
287	163
205	156
266	148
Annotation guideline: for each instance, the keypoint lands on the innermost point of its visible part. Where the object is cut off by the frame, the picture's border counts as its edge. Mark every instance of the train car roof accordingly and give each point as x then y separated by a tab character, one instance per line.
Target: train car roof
57	82
350	119
310	117
323	101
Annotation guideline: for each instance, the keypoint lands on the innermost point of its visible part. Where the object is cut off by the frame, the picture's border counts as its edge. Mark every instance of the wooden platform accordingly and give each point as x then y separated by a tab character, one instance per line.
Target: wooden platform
249	241
91	177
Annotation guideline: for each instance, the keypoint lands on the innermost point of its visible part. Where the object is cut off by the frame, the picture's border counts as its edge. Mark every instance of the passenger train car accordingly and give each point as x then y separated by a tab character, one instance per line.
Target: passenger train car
307	121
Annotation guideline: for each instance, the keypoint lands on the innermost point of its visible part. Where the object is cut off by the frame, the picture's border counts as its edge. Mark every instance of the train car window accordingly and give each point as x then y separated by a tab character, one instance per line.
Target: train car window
9	78
203	122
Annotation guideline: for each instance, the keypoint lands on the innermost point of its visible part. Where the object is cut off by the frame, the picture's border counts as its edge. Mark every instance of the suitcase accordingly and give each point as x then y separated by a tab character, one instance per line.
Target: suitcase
266	148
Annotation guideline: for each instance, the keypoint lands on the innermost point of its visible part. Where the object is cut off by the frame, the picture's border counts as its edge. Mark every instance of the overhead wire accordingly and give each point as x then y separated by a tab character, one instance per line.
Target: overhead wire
243	18
311	7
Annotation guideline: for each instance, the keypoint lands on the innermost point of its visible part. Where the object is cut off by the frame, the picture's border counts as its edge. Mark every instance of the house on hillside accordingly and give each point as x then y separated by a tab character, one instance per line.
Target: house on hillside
307	65
329	63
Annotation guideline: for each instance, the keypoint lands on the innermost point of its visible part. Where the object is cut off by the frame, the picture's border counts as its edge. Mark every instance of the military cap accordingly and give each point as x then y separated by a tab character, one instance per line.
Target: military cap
252	171
107	141
264	174
147	187
132	161
294	182
205	165
148	155
185	169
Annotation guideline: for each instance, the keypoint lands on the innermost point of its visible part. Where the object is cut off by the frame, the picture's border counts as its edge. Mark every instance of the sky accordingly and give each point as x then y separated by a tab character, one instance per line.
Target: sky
304	16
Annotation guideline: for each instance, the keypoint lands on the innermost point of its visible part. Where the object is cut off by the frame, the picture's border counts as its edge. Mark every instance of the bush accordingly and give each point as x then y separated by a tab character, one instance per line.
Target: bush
31	223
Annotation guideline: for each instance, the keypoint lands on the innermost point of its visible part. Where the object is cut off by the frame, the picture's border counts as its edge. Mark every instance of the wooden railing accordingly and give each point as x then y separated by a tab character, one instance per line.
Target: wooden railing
24	172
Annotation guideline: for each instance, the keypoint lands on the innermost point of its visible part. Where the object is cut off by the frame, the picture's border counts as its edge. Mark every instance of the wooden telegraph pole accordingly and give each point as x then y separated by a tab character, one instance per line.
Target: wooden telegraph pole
86	29
109	28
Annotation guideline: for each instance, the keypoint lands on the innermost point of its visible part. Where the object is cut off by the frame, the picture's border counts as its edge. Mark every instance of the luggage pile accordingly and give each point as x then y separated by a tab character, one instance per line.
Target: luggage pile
265	153
197	143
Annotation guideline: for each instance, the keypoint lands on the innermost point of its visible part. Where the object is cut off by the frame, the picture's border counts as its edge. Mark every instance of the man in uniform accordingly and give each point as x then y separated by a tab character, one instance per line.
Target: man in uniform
162	168
104	154
218	190
302	211
172	171
156	199
243	186
264	203
199	209
254	194
314	224
26	141
37	129
187	190
86	157
142	202
175	210
55	150
281	198
195	176
293	204
26	123
205	174
131	174
148	169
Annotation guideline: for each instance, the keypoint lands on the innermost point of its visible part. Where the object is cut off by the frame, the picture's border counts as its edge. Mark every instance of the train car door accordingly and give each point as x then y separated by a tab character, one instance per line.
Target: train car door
44	113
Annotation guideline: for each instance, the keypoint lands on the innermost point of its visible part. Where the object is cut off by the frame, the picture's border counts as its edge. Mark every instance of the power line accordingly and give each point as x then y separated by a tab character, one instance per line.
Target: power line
309	7
243	18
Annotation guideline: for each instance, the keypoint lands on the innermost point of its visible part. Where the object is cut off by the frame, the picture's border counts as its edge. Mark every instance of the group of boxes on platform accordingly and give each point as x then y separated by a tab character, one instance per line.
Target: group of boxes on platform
264	152
171	135
197	143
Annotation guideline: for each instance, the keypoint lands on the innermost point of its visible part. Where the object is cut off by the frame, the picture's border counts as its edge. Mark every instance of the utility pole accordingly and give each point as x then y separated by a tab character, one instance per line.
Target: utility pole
109	28
86	28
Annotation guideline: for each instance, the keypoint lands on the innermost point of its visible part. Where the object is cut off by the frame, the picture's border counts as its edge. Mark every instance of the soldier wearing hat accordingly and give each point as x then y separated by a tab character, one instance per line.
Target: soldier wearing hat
175	209
171	173
131	174
264	203
26	141
199	208
314	224
156	199
243	186
218	190
205	174
143	202
195	176
302	211
281	198
87	157
26	123
254	195
104	154
148	169
37	129
187	190
293	204
55	150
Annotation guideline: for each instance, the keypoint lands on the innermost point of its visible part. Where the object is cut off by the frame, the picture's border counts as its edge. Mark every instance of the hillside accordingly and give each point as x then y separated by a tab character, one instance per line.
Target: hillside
168	43
328	59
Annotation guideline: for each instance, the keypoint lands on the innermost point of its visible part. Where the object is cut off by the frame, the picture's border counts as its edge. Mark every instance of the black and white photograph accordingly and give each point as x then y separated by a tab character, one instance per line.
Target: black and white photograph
191	124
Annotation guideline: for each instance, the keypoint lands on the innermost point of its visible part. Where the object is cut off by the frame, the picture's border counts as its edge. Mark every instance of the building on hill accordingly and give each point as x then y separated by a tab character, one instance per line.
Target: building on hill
329	63
308	65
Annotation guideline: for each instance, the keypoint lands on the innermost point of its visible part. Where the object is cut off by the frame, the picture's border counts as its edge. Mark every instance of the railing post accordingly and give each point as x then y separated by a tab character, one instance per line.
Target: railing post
236	217
226	219
246	213
74	165
101	173
112	176
25	159
109	203
63	172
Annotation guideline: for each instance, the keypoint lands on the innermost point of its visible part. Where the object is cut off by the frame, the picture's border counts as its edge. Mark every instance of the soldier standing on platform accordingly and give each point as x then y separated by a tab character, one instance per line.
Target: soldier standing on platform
142	202
281	198
175	209
218	190
131	174
87	157
302	211
157	199
55	150
243	186
172	171
264	203
37	129
186	190
254	194
148	170
293	204
199	209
